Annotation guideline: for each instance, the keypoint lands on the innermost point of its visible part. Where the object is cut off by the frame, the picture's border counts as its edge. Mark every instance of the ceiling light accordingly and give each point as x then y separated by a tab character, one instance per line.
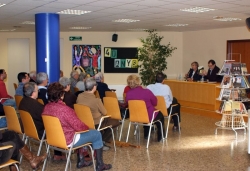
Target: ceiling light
7	30
80	28
176	25
125	21
73	12
1	5
28	22
197	9
218	18
138	29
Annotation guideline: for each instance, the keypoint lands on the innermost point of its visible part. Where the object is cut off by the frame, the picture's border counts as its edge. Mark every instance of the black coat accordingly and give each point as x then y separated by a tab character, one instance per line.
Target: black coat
212	76
196	76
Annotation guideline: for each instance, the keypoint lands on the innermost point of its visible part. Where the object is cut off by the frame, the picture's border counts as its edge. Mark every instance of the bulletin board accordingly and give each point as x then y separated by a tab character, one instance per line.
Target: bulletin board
120	60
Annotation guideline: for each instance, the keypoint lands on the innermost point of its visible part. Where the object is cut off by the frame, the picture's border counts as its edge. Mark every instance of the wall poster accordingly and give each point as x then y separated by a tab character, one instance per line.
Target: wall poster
86	58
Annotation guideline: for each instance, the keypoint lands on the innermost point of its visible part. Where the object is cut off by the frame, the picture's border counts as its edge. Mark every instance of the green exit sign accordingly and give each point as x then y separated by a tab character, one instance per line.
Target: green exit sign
75	38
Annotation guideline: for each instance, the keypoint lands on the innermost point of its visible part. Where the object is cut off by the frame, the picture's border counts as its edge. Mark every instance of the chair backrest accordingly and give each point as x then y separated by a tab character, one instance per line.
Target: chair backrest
40	101
124	97
76	89
138	111
97	95
13	123
84	114
18	100
112	106
54	132
15	85
28	125
161	105
110	94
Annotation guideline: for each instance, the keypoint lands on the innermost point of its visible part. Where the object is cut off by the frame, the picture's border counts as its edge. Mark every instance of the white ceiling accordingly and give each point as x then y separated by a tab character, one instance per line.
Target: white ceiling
153	14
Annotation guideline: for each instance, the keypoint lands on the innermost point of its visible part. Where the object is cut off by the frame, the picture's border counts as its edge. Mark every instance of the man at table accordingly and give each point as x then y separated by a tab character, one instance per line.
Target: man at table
211	74
160	89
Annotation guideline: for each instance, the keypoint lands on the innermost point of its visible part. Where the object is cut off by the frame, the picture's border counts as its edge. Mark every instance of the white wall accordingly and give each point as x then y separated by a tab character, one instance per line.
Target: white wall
201	46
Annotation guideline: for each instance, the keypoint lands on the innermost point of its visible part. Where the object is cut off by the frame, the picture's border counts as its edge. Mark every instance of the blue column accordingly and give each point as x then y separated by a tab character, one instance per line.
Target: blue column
48	45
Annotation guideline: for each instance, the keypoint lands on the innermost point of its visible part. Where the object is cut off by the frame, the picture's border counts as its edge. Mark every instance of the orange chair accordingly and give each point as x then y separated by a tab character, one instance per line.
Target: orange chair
84	114
40	101
56	139
139	116
10	162
31	131
97	95
18	100
113	109
15	85
161	105
110	94
76	89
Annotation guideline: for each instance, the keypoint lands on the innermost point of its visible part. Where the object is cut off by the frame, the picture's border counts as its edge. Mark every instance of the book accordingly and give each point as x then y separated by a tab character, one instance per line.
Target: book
226	94
226	81
243	68
236	82
236	68
242	95
234	95
246	82
225	70
227	107
221	105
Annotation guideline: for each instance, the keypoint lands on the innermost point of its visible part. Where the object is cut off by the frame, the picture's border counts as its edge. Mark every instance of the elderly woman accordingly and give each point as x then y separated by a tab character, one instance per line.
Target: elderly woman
42	82
138	93
88	98
71	124
69	98
74	78
12	138
102	87
193	74
80	84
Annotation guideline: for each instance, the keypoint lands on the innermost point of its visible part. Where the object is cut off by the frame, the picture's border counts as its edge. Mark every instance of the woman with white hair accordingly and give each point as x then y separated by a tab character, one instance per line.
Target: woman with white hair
42	82
74	78
80	84
69	98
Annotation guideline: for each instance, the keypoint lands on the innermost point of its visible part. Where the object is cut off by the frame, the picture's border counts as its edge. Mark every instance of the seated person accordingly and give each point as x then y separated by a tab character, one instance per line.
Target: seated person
74	78
71	124
138	93
5	98
12	138
193	74
22	79
211	74
160	89
88	98
102	87
69	98
30	104
80	84
32	75
42	82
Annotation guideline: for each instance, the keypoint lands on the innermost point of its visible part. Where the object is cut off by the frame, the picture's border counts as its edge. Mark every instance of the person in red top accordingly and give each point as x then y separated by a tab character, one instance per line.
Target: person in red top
71	124
5	98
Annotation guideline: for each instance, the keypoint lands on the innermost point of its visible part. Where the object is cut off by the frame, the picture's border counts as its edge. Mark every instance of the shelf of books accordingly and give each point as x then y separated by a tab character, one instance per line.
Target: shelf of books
232	96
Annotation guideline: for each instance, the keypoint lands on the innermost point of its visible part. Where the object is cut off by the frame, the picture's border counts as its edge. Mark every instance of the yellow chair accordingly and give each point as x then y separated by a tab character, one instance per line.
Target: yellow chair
40	101
97	95
10	162
76	89
18	100
113	110
139	116
110	94
15	86
13	123
84	114
31	131
56	139
161	105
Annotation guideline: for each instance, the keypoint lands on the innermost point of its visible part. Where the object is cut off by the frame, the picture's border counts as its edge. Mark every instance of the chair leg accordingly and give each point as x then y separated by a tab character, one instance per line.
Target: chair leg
149	135
121	130
169	118
128	131
135	126
92	155
45	161
68	160
113	137
178	124
40	147
162	131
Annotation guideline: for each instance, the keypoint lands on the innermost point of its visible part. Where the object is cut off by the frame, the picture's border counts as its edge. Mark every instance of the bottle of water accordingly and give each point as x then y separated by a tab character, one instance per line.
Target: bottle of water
202	79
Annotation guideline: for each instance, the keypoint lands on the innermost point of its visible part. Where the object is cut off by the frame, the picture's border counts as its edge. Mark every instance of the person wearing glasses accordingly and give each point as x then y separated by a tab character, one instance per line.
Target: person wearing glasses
211	74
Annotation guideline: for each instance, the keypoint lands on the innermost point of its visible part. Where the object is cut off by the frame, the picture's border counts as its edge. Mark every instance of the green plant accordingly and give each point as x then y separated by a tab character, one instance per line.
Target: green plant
152	56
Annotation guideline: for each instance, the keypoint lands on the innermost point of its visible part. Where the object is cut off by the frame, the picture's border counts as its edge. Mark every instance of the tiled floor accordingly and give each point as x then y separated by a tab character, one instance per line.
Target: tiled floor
196	148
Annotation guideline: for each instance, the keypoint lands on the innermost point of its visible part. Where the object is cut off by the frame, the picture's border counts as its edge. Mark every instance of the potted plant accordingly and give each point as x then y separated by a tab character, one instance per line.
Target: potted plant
152	56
